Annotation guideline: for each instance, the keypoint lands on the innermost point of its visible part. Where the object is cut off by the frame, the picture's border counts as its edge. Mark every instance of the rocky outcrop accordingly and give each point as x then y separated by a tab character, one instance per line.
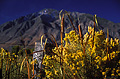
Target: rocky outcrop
31	27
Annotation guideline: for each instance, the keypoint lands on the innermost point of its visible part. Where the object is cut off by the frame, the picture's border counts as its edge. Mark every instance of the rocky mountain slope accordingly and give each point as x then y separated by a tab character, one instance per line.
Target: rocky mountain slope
31	27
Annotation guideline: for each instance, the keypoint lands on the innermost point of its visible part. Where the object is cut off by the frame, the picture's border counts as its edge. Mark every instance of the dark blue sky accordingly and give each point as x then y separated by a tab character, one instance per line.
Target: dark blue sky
13	9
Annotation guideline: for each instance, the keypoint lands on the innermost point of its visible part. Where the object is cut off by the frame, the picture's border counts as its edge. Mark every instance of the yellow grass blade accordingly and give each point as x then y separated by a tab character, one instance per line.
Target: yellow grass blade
96	21
41	40
22	64
60	14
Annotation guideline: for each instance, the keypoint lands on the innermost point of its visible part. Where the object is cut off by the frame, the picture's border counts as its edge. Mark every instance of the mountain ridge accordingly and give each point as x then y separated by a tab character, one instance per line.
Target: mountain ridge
31	27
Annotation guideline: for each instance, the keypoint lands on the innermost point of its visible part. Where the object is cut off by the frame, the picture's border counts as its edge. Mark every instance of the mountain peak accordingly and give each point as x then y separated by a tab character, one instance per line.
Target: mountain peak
32	26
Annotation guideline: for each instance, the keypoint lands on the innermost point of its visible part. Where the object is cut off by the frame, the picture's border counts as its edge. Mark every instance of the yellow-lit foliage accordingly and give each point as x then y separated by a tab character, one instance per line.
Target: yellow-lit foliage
97	62
10	64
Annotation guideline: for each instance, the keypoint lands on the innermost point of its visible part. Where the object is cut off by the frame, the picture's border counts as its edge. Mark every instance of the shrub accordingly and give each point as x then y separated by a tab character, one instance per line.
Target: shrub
90	57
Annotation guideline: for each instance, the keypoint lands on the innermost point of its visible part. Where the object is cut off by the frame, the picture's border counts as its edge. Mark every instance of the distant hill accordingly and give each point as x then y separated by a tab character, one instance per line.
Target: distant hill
29	28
